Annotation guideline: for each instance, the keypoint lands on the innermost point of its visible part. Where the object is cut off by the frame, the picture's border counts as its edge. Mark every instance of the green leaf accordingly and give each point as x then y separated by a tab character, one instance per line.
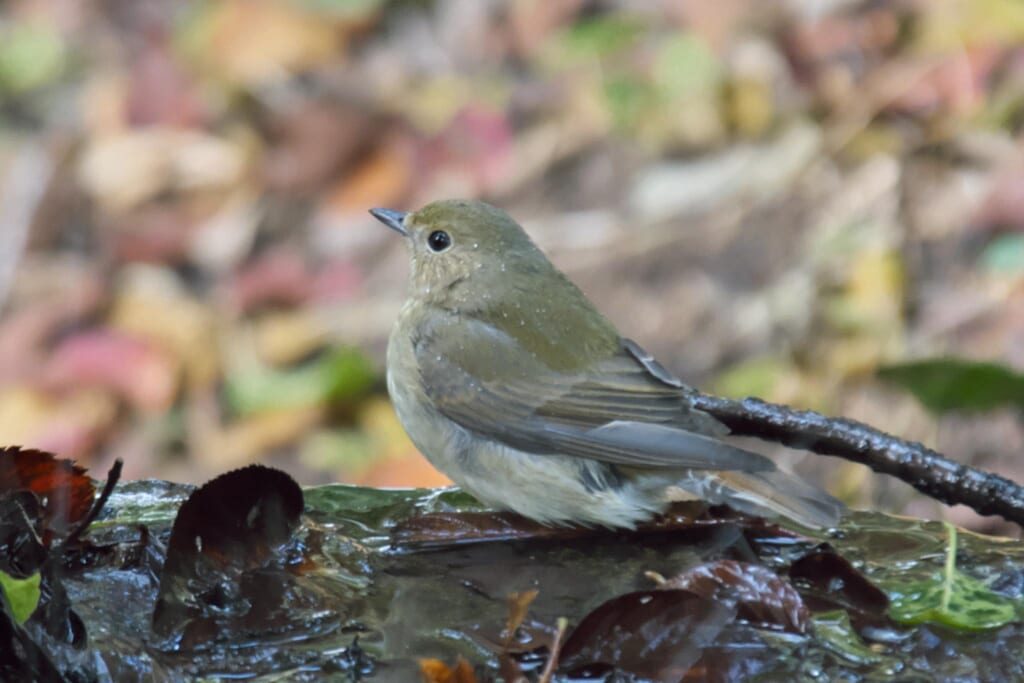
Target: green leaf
601	36
834	629
950	598
344	9
22	594
31	56
754	377
627	99
686	67
343	374
1005	254
945	384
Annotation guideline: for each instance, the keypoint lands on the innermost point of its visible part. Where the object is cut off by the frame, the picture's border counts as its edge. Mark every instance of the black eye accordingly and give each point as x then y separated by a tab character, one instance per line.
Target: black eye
439	240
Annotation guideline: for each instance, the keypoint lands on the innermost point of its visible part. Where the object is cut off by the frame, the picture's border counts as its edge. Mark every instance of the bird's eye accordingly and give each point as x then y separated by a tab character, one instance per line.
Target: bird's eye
439	240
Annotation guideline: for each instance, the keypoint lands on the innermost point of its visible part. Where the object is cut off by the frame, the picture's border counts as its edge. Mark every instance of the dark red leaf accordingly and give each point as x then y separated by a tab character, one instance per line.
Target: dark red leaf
657	635
831	579
225	533
279	277
760	594
64	489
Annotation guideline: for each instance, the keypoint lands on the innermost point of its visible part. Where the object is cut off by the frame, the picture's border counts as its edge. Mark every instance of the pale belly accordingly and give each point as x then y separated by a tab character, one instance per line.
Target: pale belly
545	488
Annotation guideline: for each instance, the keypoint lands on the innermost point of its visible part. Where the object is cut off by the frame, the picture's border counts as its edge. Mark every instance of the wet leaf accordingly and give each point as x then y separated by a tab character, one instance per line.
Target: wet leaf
224	533
436	671
657	635
951	598
63	487
518	606
22	594
957	384
835	629
827	575
760	594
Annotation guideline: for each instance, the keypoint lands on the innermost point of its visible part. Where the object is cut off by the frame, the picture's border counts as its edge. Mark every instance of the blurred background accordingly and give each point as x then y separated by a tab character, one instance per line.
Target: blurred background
819	202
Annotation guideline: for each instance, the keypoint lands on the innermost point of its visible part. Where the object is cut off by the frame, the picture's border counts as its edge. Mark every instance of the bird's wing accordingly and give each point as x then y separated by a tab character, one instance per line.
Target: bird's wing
625	409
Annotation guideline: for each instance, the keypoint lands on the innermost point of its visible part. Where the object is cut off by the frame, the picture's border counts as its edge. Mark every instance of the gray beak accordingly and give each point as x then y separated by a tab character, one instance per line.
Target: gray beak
392	219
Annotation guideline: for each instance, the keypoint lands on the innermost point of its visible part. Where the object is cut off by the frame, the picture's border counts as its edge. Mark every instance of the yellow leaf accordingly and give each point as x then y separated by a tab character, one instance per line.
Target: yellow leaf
436	671
284	338
175	322
252	42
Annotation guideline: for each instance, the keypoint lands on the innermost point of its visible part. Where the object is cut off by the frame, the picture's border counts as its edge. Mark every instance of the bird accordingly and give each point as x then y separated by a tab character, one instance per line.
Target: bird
514	385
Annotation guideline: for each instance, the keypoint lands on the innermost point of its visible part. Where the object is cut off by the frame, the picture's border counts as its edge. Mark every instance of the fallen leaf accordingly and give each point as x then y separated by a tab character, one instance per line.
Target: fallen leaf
144	375
518	605
278	277
287	337
243	441
123	169
22	595
656	635
171	320
381	178
760	594
63	487
314	141
160	91
436	671
951	598
253	42
32	55
235	523
340	375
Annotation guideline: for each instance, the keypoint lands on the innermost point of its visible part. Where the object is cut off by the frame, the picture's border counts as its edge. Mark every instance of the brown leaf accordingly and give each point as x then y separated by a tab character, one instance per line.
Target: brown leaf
759	593
257	41
144	375
63	487
232	525
312	143
160	90
382	178
436	671
828	581
279	277
657	635
518	605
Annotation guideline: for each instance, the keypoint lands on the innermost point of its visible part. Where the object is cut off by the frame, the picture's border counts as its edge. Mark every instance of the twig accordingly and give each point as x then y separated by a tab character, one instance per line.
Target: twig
112	478
556	650
926	470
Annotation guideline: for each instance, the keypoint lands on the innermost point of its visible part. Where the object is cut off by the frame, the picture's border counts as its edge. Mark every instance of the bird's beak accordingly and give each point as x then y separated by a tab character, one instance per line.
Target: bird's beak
392	219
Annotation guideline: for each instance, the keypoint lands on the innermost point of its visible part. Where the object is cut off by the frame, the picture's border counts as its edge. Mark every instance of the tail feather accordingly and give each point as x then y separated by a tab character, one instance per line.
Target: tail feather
771	493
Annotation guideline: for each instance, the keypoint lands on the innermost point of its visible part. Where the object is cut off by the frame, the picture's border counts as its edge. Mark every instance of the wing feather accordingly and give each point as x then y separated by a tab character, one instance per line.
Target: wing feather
619	411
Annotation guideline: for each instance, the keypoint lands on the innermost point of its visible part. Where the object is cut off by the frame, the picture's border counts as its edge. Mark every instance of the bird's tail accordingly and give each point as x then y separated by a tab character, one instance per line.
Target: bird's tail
774	493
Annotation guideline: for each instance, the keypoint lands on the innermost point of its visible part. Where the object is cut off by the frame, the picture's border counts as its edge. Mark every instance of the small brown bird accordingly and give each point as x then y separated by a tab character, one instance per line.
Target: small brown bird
516	387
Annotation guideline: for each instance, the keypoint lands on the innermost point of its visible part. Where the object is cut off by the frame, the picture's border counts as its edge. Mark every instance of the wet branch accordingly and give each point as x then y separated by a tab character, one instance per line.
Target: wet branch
926	470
